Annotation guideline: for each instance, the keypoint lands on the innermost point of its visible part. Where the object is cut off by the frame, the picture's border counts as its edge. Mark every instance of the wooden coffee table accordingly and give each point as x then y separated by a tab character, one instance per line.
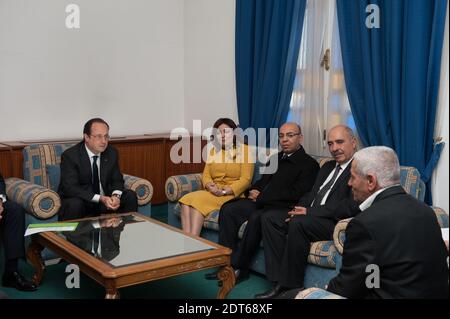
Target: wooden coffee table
139	250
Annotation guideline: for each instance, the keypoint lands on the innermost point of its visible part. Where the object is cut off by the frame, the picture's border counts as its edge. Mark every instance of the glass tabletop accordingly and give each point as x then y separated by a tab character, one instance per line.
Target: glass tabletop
125	240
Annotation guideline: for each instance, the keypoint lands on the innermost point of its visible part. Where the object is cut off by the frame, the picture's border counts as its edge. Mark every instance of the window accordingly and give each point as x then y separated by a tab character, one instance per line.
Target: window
319	99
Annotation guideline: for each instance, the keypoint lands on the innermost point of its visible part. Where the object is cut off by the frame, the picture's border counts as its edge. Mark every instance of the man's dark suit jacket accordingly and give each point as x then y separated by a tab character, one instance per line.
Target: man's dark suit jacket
82	237
2	185
76	173
294	177
402	237
339	204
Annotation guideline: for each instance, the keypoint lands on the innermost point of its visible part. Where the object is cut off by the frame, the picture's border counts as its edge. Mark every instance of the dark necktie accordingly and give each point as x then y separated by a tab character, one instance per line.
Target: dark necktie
320	195
95	179
96	241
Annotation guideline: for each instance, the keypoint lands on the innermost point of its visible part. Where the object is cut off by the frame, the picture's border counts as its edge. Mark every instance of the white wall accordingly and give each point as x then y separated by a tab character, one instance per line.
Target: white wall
440	187
209	77
125	64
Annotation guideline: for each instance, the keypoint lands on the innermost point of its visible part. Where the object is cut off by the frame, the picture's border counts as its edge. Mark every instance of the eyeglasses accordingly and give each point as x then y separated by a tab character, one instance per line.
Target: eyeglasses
288	135
100	137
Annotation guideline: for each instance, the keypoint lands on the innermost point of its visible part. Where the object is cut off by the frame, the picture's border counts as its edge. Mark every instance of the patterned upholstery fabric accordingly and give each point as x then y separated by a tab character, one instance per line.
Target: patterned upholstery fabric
41	202
323	253
177	186
339	234
142	187
35	159
411	182
317	293
442	216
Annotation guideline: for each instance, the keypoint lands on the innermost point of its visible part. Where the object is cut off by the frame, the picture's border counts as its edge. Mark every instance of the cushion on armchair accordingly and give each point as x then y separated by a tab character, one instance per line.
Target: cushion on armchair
36	158
41	202
317	293
441	216
323	253
179	185
142	187
339	234
54	176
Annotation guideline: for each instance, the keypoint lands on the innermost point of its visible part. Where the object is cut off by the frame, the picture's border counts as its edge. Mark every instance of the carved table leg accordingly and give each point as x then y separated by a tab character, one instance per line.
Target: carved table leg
226	276
35	259
111	291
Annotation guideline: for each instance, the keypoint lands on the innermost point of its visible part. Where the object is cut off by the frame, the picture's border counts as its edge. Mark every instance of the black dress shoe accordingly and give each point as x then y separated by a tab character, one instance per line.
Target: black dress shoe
16	280
212	276
240	275
276	291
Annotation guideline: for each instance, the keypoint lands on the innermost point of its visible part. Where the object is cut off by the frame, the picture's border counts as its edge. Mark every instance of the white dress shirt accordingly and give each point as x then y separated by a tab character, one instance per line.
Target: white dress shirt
369	200
96	197
343	167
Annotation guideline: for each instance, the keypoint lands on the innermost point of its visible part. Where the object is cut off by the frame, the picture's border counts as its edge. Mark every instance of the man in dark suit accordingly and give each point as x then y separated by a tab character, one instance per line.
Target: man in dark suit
294	176
99	237
394	247
288	234
91	182
12	228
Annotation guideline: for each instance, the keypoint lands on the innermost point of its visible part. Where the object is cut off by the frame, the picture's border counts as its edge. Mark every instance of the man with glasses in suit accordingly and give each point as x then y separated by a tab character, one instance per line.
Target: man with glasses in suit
294	176
91	181
288	233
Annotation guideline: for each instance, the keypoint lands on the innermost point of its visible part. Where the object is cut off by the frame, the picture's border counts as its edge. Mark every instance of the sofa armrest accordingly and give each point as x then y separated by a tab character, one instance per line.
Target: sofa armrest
179	185
37	200
142	187
339	234
317	293
442	216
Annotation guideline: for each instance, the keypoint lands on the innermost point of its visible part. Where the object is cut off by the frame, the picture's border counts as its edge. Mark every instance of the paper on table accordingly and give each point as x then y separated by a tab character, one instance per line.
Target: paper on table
444	233
38	228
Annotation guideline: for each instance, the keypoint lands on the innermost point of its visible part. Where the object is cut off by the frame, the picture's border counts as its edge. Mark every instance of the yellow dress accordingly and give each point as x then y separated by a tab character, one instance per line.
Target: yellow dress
232	168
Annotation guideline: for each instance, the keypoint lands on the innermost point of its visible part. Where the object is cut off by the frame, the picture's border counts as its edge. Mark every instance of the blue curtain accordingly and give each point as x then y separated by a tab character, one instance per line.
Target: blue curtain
392	75
268	34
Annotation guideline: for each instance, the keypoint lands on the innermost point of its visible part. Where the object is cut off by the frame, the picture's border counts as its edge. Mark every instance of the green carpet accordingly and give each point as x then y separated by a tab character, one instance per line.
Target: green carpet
189	286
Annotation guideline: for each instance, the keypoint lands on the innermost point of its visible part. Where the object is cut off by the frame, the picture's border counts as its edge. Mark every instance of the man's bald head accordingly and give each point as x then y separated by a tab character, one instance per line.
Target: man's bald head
290	137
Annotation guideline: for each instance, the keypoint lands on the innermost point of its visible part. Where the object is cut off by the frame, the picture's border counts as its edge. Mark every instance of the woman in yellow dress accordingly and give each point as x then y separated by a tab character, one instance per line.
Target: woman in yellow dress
227	174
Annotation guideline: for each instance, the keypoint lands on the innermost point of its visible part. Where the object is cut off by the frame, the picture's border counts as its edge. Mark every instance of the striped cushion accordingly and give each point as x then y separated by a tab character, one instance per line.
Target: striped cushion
339	234
178	186
142	187
411	182
442	216
37	200
35	159
323	253
317	293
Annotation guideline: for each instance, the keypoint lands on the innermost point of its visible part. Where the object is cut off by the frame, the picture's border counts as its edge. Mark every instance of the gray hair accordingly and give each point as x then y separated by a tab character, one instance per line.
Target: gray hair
380	161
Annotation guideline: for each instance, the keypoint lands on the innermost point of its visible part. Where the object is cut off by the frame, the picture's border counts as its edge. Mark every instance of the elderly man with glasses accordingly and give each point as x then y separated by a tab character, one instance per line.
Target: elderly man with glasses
294	176
91	182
